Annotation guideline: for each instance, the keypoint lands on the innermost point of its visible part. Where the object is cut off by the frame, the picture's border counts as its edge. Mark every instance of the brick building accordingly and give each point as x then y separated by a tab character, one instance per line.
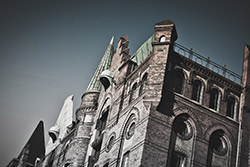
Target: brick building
165	105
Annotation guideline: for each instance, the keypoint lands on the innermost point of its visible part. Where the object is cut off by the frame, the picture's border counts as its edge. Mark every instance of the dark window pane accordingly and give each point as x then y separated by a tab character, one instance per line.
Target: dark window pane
106	165
178	160
196	91
178	82
143	84
230	107
214	95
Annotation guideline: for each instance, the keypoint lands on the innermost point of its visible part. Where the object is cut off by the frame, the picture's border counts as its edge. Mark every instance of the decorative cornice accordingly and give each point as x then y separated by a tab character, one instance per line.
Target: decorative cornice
208	74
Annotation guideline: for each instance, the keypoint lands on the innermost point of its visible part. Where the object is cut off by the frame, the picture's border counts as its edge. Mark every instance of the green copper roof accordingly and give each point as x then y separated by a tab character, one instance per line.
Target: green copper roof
143	52
95	84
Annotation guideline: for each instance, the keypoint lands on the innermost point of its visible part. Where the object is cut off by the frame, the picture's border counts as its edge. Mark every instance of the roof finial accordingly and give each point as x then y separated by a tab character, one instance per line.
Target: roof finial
112	41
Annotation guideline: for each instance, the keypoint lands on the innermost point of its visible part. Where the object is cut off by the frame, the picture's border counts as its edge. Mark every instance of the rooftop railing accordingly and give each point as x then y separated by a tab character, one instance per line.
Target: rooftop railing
206	62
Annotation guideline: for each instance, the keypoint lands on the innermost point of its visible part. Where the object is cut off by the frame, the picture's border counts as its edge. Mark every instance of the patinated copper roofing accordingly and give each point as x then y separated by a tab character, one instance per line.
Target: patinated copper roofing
144	51
95	84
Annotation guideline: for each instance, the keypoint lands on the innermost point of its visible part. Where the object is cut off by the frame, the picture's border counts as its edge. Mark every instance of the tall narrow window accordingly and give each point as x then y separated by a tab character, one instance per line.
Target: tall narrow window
230	107
214	97
51	158
132	93
100	126
125	160
143	84
101	122
178	82
196	92
178	159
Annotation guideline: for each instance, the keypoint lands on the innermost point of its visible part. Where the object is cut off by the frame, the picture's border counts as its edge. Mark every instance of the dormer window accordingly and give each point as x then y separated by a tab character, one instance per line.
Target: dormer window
54	133
230	107
162	38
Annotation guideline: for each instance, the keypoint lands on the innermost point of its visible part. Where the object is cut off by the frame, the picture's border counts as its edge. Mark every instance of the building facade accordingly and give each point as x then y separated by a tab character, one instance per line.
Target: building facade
165	105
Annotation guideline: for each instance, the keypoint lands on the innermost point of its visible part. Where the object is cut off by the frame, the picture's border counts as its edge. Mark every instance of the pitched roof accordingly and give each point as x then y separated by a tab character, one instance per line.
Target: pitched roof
95	84
144	51
35	146
165	22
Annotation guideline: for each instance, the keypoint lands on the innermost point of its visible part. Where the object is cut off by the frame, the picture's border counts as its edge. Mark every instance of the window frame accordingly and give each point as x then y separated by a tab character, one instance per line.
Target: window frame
133	93
214	99
231	113
181	156
125	162
143	84
179	76
198	91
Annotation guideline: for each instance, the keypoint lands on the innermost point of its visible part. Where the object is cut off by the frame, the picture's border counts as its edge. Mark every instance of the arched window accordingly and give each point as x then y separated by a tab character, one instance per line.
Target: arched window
178	81
196	92
182	134
162	38
106	165
230	107
132	93
214	99
143	84
217	149
100	126
110	142
178	159
125	160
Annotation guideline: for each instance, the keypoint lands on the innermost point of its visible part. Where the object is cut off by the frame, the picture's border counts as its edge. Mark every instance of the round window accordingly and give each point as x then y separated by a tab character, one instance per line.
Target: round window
130	131
110	143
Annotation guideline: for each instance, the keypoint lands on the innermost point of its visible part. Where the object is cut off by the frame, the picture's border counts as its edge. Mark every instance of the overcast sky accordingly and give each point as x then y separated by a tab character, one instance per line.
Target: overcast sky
50	49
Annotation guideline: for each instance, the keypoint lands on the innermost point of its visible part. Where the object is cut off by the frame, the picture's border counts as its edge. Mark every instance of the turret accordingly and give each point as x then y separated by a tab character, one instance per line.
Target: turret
165	36
86	112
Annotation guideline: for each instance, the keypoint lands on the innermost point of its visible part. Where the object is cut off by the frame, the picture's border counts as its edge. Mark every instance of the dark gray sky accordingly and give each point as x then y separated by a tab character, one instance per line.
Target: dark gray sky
50	49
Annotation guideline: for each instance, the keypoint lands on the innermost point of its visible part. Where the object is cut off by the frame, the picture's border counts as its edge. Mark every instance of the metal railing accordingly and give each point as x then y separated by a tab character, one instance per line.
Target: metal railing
206	62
